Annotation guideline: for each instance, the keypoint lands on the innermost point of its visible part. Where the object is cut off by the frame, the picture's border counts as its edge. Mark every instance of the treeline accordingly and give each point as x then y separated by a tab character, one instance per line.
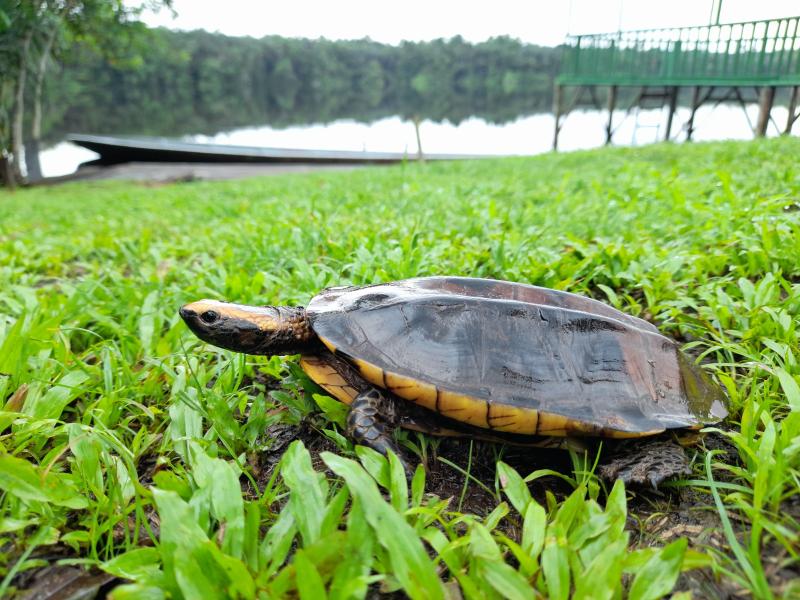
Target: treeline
200	82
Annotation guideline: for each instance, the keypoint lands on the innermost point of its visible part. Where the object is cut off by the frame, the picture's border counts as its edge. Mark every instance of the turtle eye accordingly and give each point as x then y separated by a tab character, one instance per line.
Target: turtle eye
209	316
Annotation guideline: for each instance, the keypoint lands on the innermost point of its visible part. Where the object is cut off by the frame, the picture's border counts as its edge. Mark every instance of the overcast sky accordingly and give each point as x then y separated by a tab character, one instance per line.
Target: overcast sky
536	21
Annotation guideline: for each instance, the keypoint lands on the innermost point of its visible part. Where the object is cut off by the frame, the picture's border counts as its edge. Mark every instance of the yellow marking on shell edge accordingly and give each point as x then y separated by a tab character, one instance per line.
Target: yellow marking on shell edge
559	425
328	379
463	408
459	407
620	435
370	372
412	390
618	428
473	411
513	419
328	344
551	424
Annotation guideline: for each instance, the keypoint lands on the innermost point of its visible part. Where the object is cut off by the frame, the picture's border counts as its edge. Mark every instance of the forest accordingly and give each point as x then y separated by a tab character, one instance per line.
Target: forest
174	83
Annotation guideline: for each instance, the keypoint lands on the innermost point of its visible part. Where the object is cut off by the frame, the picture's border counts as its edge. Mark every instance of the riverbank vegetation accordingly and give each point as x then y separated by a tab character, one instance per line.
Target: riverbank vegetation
33	35
200	82
130	448
91	67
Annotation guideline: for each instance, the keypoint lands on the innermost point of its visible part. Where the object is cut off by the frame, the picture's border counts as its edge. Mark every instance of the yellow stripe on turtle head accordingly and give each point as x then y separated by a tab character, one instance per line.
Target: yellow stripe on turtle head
266	318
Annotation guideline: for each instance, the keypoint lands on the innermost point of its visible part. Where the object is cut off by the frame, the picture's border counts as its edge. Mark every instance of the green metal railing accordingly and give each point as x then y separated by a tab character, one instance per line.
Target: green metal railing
748	53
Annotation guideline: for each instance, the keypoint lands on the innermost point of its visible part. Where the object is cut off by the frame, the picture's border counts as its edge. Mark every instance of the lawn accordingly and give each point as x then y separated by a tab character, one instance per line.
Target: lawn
169	468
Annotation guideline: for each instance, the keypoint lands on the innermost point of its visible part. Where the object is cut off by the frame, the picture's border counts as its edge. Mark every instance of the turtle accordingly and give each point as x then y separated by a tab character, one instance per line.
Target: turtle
488	359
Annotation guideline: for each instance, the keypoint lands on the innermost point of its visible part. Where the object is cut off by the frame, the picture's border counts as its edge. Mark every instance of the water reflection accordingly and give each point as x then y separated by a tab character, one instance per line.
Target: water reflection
527	135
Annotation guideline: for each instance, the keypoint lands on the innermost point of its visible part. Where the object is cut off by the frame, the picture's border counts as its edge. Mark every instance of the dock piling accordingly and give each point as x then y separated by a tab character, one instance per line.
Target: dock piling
612	101
673	102
792	116
695	106
557	111
765	102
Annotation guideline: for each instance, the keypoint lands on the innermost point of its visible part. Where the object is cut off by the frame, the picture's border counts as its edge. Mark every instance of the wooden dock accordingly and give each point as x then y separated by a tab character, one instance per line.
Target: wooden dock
741	62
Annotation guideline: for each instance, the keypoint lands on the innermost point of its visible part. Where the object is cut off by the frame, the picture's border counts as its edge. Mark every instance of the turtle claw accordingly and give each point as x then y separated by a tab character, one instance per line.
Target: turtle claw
655	481
648	462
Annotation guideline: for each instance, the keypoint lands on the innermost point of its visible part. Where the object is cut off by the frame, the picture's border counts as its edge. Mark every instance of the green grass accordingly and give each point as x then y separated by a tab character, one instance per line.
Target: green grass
128	445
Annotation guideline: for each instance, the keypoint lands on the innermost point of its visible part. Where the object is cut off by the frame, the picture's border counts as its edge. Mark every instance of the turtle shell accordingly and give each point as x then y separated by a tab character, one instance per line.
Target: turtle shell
516	358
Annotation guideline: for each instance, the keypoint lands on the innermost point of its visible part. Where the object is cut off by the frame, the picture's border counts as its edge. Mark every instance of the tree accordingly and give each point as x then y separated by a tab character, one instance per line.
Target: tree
370	83
30	31
285	82
196	82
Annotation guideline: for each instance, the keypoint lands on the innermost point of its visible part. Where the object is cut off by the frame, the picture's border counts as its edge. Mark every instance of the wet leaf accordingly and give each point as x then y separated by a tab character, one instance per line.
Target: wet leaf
555	566
408	558
534	526
375	464
418	486
147	320
333	409
351	577
514	486
307	498
220	481
137	564
506	581
603	576
790	388
659	574
398	486
482	545
309	583
136	592
52	403
20	478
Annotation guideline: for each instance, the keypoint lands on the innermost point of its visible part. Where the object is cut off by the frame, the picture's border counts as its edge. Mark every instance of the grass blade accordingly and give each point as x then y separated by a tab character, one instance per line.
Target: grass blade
410	562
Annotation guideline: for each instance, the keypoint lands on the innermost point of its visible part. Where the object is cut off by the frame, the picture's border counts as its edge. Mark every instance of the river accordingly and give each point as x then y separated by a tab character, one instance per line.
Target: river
527	135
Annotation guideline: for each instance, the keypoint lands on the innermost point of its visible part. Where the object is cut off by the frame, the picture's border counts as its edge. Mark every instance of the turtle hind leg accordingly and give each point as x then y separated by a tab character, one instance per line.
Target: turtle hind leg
370	422
651	461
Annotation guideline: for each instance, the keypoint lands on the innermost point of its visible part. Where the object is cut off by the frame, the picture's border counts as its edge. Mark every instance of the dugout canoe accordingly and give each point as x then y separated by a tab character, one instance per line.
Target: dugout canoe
117	150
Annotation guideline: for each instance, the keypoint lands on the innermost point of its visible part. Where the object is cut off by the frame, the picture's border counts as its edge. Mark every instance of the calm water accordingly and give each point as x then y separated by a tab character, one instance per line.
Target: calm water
525	136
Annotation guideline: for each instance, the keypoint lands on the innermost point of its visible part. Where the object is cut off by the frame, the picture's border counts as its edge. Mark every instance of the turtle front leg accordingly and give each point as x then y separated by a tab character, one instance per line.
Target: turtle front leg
652	461
370	422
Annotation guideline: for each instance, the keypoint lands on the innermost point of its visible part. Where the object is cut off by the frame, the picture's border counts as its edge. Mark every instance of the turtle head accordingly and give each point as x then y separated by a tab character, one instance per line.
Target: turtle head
266	330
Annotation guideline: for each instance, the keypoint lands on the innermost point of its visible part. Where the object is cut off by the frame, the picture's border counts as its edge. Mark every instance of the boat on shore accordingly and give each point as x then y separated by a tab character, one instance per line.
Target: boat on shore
117	150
